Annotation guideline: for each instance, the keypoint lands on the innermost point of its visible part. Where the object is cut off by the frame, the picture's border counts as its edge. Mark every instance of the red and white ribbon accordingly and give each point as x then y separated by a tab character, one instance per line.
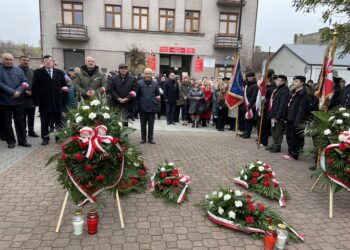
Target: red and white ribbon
300	236
281	200
65	89
249	113
102	90
151	183
186	180
132	93
158	97
24	85
238	181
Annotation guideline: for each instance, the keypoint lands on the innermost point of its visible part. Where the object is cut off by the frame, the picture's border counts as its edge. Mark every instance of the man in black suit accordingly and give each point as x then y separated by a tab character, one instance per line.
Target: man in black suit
171	94
49	92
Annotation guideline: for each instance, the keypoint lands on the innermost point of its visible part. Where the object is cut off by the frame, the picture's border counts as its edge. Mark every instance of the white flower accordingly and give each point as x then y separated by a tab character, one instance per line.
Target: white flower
238	204
215	193
92	115
327	132
105	107
221	211
251	166
136	164
207	196
78	119
120	124
273	174
259	162
339	121
242	172
85	107
341	137
232	215
106	116
171	164
231	191
220	194
245	177
95	103
211	203
227	197
238	193
261	168
77	114
162	169
342	109
346	114
331	118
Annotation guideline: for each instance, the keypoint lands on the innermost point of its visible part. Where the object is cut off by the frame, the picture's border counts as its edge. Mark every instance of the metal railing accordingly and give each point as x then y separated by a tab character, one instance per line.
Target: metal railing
71	32
231	2
226	41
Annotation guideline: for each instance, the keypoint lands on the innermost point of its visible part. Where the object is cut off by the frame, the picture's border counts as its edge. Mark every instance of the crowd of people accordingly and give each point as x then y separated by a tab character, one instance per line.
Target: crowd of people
186	100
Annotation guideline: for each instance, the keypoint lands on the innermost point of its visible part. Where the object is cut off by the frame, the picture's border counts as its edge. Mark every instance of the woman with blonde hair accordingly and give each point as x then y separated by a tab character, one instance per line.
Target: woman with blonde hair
195	96
208	94
221	106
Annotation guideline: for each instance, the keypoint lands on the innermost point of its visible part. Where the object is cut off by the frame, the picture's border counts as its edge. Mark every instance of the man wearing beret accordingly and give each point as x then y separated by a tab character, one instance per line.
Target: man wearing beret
297	111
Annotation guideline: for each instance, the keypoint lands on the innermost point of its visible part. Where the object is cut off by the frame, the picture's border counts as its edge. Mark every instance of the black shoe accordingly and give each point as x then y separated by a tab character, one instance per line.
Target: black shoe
33	134
269	147
11	145
152	142
25	144
313	168
193	125
197	126
173	123
168	123
246	136
45	142
275	150
143	142
230	129
221	129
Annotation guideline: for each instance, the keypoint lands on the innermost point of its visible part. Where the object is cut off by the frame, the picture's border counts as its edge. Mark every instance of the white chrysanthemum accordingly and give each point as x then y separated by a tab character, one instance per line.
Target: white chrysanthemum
339	121
238	204
251	166
95	103
245	177
346	114
120	124
342	109
171	164
92	115
162	169
341	137
78	119
207	196
232	215
221	211
85	107
331	118
106	116
238	193
211	203
242	171
106	108
327	132
220	194
259	162
227	197
215	193
136	164
261	168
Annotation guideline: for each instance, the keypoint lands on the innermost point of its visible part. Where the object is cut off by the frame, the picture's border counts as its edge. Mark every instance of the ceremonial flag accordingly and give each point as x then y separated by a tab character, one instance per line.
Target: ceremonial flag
234	96
262	84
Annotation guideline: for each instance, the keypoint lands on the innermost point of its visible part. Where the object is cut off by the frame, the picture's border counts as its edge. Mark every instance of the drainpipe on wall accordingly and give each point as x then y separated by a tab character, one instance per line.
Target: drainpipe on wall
41	31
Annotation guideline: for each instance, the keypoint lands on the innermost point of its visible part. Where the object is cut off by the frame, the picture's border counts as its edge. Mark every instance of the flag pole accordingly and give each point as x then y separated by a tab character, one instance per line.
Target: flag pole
334	45
262	105
231	82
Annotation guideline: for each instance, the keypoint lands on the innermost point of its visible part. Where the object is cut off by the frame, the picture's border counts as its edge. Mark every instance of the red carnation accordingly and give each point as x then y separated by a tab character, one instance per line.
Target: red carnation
63	156
175	172
266	176
82	145
145	167
347	171
175	183
270	174
75	138
266	183
248	200
342	146
100	178
249	219
115	140
247	194
269	220
133	181
63	147
327	151
330	161
120	155
251	208
261	207
163	174
254	181
88	168
168	181
124	148
90	185
256	174
142	172
79	157
267	166
276	185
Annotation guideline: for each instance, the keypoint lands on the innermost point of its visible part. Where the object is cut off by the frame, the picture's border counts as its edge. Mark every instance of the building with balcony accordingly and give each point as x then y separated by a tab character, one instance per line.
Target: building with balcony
178	32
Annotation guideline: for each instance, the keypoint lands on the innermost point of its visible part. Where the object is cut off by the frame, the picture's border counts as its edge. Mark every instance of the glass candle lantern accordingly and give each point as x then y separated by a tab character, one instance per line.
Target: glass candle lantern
92	221
270	238
78	222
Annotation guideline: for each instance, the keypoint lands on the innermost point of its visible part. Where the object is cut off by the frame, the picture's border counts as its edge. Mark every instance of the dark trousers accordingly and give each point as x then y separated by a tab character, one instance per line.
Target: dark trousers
294	138
45	119
29	114
222	113
277	134
17	113
2	123
241	119
147	118
184	113
265	130
170	112
177	113
232	123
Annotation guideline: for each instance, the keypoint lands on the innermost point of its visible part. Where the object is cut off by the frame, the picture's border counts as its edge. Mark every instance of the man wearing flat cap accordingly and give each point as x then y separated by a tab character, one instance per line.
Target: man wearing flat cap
123	88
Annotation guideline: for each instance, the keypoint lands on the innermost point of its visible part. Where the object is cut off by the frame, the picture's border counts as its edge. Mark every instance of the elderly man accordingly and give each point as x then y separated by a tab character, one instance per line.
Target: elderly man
90	79
148	97
13	84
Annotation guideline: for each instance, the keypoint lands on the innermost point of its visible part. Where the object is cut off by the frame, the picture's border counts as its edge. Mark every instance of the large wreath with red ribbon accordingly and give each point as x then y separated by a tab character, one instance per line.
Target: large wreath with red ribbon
96	154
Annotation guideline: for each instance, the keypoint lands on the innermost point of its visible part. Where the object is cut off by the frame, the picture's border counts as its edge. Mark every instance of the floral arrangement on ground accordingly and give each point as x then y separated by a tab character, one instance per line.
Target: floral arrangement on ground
168	182
260	178
96	154
238	210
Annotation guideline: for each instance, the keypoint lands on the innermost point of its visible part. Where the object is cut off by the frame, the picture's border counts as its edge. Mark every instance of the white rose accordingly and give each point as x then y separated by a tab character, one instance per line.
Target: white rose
227	197
245	177
105	107
207	196
259	162
251	166
95	103
171	164
220	194
85	107
261	168
327	132
106	116
339	121
341	137
238	204
162	169
78	119
232	215
342	109
120	124
215	193
211	203
346	114
92	115
331	118
221	211
238	193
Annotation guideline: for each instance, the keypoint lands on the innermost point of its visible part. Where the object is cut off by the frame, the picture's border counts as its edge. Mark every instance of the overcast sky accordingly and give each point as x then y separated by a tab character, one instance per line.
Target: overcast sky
277	22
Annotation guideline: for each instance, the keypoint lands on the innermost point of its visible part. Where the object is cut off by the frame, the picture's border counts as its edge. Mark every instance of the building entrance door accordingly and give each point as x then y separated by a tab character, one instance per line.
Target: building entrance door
177	64
73	58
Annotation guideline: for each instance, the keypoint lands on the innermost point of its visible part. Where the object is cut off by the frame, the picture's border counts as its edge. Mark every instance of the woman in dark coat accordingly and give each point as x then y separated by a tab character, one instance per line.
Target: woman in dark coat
196	97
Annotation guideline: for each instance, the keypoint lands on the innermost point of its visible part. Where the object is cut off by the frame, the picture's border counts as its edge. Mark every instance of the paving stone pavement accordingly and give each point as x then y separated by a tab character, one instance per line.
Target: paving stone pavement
31	199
